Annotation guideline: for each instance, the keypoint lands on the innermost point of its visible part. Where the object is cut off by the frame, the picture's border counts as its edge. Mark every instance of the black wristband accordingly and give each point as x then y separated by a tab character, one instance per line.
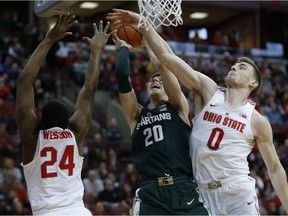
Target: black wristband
123	70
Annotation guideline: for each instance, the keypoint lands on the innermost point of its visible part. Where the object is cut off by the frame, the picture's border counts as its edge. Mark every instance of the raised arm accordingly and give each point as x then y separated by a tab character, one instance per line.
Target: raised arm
171	86
81	119
276	172
25	115
127	95
190	78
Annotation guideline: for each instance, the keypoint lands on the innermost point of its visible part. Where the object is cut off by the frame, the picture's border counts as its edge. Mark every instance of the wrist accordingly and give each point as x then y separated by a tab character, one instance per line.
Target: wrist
125	45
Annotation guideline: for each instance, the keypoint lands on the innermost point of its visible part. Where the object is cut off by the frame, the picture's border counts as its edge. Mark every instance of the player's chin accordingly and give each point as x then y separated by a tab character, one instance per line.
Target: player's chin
229	79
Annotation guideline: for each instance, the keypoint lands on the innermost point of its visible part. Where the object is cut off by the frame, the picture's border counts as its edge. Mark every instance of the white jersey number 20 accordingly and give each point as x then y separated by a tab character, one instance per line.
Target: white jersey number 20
154	134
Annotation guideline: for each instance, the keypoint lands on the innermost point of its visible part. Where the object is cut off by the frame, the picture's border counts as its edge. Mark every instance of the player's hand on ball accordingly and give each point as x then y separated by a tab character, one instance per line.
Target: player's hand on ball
119	17
119	43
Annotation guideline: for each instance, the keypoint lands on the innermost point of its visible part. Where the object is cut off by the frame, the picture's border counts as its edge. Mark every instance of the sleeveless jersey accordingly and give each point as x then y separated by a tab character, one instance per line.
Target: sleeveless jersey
221	140
160	143
53	177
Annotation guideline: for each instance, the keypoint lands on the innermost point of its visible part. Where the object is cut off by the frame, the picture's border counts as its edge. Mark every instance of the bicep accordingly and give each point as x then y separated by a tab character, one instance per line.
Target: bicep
264	140
25	114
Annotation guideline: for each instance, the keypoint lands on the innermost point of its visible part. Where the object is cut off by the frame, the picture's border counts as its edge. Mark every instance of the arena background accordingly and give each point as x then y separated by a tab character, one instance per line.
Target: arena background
257	29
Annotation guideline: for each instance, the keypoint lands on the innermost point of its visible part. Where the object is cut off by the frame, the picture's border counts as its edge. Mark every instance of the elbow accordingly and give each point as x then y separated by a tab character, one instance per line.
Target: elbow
20	79
24	79
21	82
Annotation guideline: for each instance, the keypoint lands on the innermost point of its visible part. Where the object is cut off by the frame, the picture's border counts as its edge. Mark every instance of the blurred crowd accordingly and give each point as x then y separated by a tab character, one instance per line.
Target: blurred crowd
109	177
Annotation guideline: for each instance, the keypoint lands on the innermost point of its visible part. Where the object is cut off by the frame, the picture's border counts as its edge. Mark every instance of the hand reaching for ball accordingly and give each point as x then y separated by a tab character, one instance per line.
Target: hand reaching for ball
119	43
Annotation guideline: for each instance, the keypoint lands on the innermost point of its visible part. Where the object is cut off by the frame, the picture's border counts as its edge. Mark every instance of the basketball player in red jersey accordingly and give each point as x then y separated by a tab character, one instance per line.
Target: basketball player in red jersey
52	155
224	131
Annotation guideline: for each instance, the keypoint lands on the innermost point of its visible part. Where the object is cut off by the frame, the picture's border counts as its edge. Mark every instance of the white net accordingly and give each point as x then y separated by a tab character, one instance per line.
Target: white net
159	12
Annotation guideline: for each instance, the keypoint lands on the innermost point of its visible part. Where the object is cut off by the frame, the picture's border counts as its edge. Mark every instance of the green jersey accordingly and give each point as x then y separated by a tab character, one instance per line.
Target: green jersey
160	143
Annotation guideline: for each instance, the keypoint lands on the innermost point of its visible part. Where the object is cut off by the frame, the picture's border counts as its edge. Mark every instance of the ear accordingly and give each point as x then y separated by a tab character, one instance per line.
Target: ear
253	84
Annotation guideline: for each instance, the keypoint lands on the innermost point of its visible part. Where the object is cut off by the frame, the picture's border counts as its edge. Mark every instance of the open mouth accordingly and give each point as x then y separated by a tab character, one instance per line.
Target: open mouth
155	87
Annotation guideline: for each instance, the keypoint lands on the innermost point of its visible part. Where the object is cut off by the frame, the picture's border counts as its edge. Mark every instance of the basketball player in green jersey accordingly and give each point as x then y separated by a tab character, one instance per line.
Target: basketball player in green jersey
160	136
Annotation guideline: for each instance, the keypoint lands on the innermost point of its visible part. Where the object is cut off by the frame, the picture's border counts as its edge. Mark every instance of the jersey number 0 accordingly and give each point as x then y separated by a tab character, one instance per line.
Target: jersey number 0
66	162
215	138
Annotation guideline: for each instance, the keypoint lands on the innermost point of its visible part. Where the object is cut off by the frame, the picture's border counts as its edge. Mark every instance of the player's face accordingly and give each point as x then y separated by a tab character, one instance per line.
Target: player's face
240	74
155	85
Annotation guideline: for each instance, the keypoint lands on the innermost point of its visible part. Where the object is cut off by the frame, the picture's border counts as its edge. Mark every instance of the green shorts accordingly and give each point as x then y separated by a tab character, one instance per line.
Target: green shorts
168	196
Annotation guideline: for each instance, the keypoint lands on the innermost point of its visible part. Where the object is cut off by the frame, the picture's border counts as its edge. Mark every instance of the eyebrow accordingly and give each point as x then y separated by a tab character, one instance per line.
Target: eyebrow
152	78
243	64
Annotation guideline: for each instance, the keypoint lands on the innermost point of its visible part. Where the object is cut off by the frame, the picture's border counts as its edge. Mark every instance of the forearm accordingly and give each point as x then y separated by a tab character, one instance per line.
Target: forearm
35	62
158	45
279	182
85	98
123	70
93	72
127	96
152	56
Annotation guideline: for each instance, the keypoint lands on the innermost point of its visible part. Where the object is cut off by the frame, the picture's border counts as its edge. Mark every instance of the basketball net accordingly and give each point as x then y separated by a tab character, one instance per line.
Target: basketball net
159	12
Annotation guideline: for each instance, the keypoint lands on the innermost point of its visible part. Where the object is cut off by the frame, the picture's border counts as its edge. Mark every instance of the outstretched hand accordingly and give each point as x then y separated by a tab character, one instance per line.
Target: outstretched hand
59	30
101	36
119	43
119	17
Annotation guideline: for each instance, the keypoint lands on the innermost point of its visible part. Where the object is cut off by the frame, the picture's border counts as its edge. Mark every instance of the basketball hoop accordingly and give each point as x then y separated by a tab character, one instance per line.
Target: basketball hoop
159	12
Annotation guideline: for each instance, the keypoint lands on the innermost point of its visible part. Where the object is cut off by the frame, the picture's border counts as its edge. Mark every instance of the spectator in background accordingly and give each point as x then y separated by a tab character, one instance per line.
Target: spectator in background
267	85
233	40
130	175
113	133
7	144
96	150
99	209
80	67
102	170
4	110
274	115
110	194
93	186
7	64
5	89
218	38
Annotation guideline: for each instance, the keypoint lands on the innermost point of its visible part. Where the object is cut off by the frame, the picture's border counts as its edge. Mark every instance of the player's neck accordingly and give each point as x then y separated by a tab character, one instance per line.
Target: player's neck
156	103
235	97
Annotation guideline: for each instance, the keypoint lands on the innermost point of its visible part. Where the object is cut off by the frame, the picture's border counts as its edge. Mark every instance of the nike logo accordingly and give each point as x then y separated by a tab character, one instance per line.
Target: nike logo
213	105
249	203
189	203
166	174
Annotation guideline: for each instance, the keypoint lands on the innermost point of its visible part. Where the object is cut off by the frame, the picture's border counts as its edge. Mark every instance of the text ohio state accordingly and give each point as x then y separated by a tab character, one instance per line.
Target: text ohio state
225	121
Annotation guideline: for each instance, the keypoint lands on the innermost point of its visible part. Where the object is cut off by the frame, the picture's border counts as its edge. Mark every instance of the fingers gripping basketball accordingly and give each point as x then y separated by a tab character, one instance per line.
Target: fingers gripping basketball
131	35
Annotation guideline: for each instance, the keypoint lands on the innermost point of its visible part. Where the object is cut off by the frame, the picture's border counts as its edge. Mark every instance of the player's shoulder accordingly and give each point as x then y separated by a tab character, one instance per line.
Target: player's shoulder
259	119
260	126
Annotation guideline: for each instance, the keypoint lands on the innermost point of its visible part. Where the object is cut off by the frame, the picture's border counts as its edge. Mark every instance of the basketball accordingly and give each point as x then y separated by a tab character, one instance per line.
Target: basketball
131	35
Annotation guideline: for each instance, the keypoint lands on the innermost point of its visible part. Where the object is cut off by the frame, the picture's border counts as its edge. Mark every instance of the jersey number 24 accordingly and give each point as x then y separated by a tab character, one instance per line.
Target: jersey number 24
66	161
